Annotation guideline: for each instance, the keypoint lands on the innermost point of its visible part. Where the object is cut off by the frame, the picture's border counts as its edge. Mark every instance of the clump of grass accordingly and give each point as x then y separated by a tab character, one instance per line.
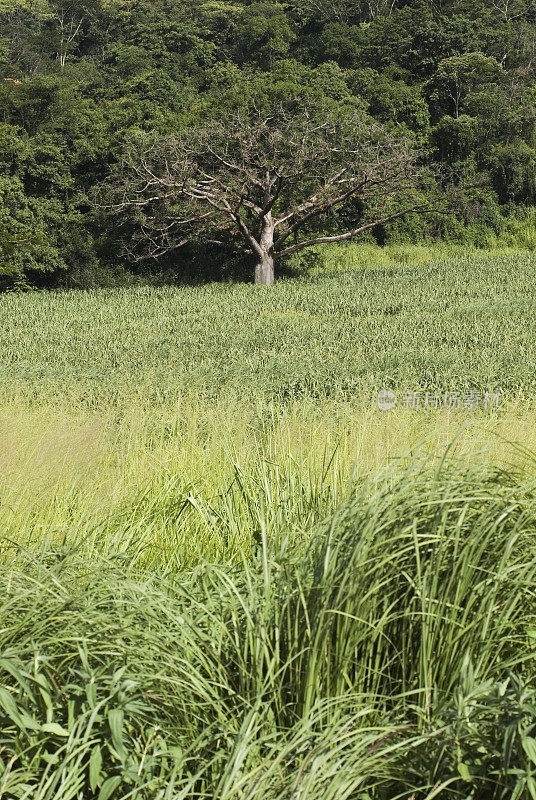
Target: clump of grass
373	661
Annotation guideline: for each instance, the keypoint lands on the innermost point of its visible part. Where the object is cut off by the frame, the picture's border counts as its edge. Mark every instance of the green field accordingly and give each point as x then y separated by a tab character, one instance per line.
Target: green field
451	323
226	575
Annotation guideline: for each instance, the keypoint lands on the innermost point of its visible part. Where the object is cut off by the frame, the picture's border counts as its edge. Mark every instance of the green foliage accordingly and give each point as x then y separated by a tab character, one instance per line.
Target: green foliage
460	80
263	33
487	738
392	101
309	668
24	228
77	78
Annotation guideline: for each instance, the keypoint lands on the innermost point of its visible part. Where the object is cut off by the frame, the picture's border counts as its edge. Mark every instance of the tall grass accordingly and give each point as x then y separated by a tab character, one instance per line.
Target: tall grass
226	575
374	663
176	486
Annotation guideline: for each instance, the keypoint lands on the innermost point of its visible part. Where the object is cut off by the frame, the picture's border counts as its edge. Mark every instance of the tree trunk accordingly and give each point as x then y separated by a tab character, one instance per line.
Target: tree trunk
264	269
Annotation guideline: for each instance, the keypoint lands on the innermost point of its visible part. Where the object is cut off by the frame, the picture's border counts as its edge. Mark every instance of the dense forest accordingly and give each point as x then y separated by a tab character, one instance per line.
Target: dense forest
82	79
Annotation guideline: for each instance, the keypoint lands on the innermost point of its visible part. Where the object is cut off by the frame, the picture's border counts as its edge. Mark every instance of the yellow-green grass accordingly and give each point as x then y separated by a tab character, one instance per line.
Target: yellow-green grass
171	422
199	480
391	657
227	575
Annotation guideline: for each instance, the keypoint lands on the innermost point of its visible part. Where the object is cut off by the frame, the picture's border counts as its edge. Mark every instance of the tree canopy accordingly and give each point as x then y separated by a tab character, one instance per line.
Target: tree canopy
271	181
81	82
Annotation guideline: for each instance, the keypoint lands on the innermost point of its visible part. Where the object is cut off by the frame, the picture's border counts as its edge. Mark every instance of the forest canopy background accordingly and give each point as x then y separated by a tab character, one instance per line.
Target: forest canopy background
80	79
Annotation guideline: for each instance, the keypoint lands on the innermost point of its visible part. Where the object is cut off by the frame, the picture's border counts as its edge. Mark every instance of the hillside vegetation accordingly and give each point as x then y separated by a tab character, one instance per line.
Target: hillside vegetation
81	80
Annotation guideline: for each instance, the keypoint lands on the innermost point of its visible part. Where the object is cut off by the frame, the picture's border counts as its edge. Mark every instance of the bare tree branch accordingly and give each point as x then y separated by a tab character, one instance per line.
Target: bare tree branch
251	173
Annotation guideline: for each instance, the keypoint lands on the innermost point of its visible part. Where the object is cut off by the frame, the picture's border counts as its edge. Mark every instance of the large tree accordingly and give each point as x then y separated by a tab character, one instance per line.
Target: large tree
268	183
